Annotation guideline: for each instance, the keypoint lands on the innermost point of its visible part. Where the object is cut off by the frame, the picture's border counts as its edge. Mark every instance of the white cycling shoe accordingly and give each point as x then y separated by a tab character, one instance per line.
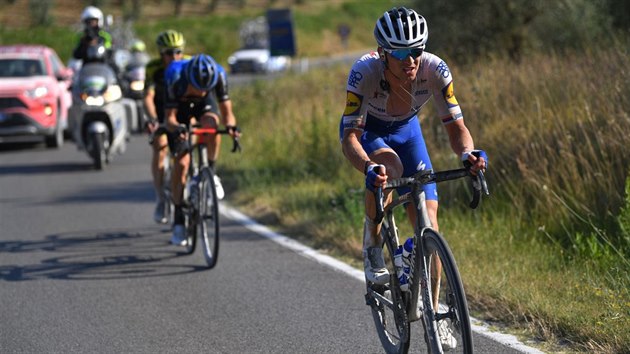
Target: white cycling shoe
445	331
219	187
374	266
179	235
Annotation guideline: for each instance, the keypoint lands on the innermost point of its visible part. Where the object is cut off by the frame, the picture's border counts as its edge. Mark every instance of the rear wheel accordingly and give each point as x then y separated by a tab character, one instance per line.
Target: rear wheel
387	303
209	216
451	315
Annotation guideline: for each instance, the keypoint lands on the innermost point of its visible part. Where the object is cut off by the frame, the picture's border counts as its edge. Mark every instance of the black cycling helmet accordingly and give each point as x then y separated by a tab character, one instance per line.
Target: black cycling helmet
401	28
201	72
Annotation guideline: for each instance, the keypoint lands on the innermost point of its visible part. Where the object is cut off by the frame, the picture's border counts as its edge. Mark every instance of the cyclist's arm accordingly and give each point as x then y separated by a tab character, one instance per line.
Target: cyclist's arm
227	115
171	119
149	103
459	137
352	149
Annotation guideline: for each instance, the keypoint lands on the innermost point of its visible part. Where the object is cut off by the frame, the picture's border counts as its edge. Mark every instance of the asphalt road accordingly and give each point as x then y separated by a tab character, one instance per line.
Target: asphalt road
83	269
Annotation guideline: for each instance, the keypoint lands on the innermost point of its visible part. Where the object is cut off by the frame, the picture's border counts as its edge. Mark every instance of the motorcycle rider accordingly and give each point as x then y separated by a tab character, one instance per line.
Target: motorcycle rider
171	46
138	52
93	33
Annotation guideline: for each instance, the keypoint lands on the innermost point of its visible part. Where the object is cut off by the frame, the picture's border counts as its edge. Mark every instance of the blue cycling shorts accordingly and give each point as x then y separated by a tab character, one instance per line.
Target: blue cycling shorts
405	138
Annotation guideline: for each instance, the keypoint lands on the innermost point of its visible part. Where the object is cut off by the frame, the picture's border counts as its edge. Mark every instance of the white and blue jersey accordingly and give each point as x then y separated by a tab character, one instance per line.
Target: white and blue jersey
366	109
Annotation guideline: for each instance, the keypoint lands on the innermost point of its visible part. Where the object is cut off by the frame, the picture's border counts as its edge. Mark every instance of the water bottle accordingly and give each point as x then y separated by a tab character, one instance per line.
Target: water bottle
406	256
399	265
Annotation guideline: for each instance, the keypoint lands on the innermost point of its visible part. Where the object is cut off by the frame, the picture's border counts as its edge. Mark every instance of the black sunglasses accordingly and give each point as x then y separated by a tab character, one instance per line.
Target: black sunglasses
172	51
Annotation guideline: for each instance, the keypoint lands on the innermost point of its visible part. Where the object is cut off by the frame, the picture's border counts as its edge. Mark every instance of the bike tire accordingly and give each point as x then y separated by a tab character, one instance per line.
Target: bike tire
453	305
166	189
389	309
190	224
208	216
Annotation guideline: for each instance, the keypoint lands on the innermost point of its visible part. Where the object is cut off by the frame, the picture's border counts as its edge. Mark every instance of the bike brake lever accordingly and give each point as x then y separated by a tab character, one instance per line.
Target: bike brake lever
237	145
476	187
378	196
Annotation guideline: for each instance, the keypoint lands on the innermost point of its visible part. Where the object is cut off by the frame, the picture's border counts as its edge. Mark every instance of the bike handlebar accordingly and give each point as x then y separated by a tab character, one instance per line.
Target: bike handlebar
199	130
478	185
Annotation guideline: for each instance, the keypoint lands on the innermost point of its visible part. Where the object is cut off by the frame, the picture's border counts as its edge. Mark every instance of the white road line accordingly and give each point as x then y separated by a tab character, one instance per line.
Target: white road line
477	326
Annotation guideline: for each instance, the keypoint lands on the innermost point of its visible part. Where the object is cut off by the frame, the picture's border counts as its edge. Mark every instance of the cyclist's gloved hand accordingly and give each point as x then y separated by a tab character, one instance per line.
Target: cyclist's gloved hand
233	130
475	160
151	125
375	176
182	132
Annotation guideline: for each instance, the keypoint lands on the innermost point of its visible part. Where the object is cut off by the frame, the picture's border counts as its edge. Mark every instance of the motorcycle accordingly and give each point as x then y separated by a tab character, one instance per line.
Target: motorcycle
134	77
99	114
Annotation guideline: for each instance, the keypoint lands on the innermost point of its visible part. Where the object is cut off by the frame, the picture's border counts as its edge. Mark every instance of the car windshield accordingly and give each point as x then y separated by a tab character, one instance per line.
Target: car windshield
21	67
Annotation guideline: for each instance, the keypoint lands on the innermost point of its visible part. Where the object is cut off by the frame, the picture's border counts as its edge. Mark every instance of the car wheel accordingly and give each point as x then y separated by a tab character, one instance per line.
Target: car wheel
56	139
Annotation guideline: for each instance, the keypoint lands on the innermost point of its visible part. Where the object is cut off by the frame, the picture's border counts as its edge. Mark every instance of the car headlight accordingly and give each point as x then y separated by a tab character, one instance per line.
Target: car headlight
37	92
231	60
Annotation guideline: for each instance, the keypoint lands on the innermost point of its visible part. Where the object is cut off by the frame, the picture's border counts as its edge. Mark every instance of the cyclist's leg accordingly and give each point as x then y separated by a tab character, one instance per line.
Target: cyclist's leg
160	146
213	141
415	157
209	117
378	151
179	148
159	151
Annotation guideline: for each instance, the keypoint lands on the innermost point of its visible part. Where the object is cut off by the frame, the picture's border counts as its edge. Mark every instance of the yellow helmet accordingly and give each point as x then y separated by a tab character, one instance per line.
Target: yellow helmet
170	39
137	46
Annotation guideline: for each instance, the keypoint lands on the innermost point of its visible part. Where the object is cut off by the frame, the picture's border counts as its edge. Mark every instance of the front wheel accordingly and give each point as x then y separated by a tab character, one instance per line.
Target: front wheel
55	140
190	223
97	149
209	216
451	315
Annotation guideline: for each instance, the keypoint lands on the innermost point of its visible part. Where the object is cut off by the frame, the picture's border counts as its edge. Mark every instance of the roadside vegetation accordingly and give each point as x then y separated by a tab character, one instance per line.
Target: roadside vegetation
547	254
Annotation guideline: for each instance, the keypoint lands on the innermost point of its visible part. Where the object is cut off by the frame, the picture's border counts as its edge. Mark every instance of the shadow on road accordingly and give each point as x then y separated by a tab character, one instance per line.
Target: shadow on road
97	255
41	168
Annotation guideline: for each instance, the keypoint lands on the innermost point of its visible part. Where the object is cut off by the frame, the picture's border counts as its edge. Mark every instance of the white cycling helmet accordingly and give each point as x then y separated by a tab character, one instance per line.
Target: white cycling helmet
401	28
91	12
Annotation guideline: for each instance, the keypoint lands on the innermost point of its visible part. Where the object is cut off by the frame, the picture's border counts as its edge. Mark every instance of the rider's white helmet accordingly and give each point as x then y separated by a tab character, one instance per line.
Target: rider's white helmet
91	12
401	28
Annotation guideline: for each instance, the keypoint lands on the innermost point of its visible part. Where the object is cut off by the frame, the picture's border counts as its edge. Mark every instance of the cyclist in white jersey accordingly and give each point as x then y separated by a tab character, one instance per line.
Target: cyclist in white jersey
380	132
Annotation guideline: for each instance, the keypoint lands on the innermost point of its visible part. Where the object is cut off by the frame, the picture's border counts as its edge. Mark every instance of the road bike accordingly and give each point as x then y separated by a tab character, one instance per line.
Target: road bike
435	293
200	201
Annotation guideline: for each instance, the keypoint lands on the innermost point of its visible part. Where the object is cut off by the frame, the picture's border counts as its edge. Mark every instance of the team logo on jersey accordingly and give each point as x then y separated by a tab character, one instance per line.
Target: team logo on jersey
449	95
442	68
353	104
354	78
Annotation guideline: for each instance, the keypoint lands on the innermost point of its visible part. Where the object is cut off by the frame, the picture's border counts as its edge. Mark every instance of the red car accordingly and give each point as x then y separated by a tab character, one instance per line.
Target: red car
34	95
